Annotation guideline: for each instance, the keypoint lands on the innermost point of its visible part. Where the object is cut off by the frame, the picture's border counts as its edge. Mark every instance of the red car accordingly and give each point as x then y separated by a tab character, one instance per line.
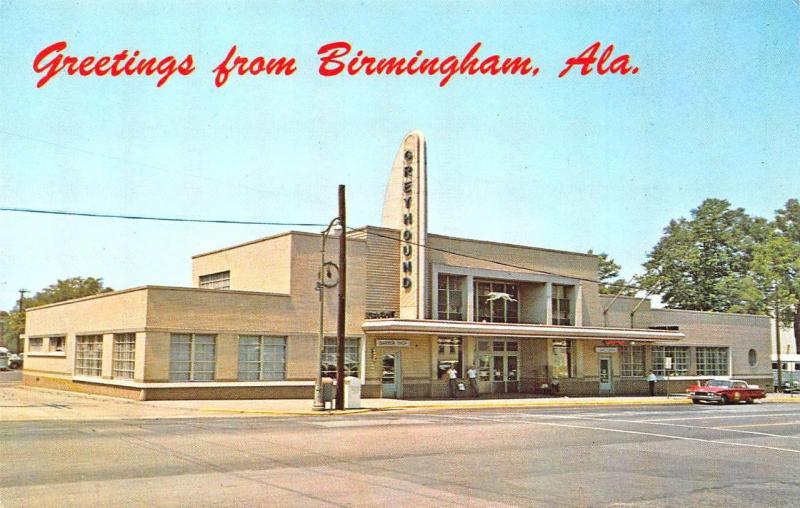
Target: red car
726	391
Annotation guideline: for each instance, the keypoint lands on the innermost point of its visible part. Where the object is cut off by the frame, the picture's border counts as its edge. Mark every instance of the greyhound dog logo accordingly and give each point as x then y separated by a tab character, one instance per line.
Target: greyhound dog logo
499	295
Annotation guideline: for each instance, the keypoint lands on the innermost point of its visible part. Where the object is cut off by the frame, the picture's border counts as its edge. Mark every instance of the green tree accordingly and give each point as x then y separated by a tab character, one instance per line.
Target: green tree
62	290
608	275
774	279
787	220
703	263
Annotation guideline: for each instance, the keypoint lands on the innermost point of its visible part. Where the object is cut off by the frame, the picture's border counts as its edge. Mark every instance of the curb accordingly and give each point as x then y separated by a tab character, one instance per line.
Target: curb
426	407
510	405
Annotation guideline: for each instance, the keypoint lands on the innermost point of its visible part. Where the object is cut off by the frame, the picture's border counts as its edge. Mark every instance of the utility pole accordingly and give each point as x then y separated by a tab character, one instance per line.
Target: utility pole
22	310
342	302
778	340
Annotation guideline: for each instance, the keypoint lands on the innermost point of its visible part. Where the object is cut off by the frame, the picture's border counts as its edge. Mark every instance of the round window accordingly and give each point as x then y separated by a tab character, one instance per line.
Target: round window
752	356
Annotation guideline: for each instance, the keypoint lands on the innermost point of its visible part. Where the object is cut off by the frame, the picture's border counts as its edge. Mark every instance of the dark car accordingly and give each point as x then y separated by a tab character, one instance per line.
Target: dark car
15	361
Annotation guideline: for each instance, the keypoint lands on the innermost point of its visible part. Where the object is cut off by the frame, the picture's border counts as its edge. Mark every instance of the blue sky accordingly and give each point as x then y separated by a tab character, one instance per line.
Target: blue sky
600	162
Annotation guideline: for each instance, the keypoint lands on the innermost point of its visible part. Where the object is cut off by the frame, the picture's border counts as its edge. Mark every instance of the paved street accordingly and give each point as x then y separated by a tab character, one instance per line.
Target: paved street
746	455
10	377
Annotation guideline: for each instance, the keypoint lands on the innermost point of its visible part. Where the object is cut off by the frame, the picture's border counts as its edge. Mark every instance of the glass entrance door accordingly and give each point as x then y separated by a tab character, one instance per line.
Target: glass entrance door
498	366
605	374
390	376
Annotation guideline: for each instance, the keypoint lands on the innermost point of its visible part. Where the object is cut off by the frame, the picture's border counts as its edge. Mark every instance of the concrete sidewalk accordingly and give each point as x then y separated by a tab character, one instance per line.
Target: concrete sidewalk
22	403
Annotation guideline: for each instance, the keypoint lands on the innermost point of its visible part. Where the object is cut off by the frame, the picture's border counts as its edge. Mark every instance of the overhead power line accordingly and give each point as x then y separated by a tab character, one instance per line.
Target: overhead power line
155	218
302	224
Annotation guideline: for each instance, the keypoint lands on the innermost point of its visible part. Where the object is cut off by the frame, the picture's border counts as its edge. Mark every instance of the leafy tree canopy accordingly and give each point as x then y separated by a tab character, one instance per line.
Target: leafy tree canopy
608	275
702	263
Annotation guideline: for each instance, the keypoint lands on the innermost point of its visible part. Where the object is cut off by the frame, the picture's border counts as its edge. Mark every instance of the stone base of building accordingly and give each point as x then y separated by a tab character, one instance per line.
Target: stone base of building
171	393
68	384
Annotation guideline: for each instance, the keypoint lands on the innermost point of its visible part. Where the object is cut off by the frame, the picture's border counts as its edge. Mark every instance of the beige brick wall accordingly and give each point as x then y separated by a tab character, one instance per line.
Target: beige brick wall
383	268
567	264
261	265
739	332
156	357
122	311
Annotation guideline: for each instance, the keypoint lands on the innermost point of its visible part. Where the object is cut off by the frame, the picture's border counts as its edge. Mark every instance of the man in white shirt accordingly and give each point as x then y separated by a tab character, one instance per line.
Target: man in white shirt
452	380
472	375
651	380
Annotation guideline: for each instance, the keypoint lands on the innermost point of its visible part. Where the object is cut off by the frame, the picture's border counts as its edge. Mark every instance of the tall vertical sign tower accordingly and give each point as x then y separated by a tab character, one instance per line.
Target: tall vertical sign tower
405	208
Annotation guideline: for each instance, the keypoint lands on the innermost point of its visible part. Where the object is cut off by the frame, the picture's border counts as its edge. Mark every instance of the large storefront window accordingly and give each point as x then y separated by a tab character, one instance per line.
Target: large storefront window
562	359
451	301
712	361
262	358
124	355
450	353
496	302
632	361
192	357
352	357
89	355
679	356
560	304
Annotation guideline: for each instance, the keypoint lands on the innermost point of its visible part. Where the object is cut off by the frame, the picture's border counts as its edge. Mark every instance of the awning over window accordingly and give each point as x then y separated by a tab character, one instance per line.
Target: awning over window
432	327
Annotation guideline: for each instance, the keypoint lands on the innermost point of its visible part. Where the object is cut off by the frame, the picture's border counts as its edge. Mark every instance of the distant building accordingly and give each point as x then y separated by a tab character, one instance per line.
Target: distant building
417	303
790	359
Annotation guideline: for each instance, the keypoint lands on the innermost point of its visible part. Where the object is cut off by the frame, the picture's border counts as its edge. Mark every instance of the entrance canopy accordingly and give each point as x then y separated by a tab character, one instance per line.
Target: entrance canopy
432	327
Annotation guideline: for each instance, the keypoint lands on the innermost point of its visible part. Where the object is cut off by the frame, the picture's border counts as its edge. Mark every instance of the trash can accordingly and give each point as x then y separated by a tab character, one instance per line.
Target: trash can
352	392
328	391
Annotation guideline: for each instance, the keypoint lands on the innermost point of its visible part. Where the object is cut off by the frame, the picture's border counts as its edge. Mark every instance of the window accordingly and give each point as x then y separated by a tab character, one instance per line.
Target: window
192	357
219	280
712	361
89	355
56	344
752	357
35	344
450	354
262	358
352	357
679	356
496	302
562	359
123	356
560	304
450	296
632	361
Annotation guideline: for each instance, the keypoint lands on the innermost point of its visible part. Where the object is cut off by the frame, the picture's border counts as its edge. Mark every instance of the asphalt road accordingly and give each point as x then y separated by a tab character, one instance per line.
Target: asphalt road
747	455
10	377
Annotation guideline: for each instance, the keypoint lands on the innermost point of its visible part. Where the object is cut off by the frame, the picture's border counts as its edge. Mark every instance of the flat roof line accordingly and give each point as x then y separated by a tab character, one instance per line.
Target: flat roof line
163	288
516	245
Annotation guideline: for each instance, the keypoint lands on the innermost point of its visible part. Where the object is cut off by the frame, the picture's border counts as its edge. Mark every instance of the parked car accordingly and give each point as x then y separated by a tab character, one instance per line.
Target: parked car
791	387
15	361
726	391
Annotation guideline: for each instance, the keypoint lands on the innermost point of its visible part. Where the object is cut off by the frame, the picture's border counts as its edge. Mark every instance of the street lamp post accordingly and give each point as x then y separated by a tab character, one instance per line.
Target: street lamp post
328	272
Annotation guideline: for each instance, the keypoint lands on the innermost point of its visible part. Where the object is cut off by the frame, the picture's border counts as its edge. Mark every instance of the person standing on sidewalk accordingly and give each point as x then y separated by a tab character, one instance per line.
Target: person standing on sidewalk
651	380
472	374
452	380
